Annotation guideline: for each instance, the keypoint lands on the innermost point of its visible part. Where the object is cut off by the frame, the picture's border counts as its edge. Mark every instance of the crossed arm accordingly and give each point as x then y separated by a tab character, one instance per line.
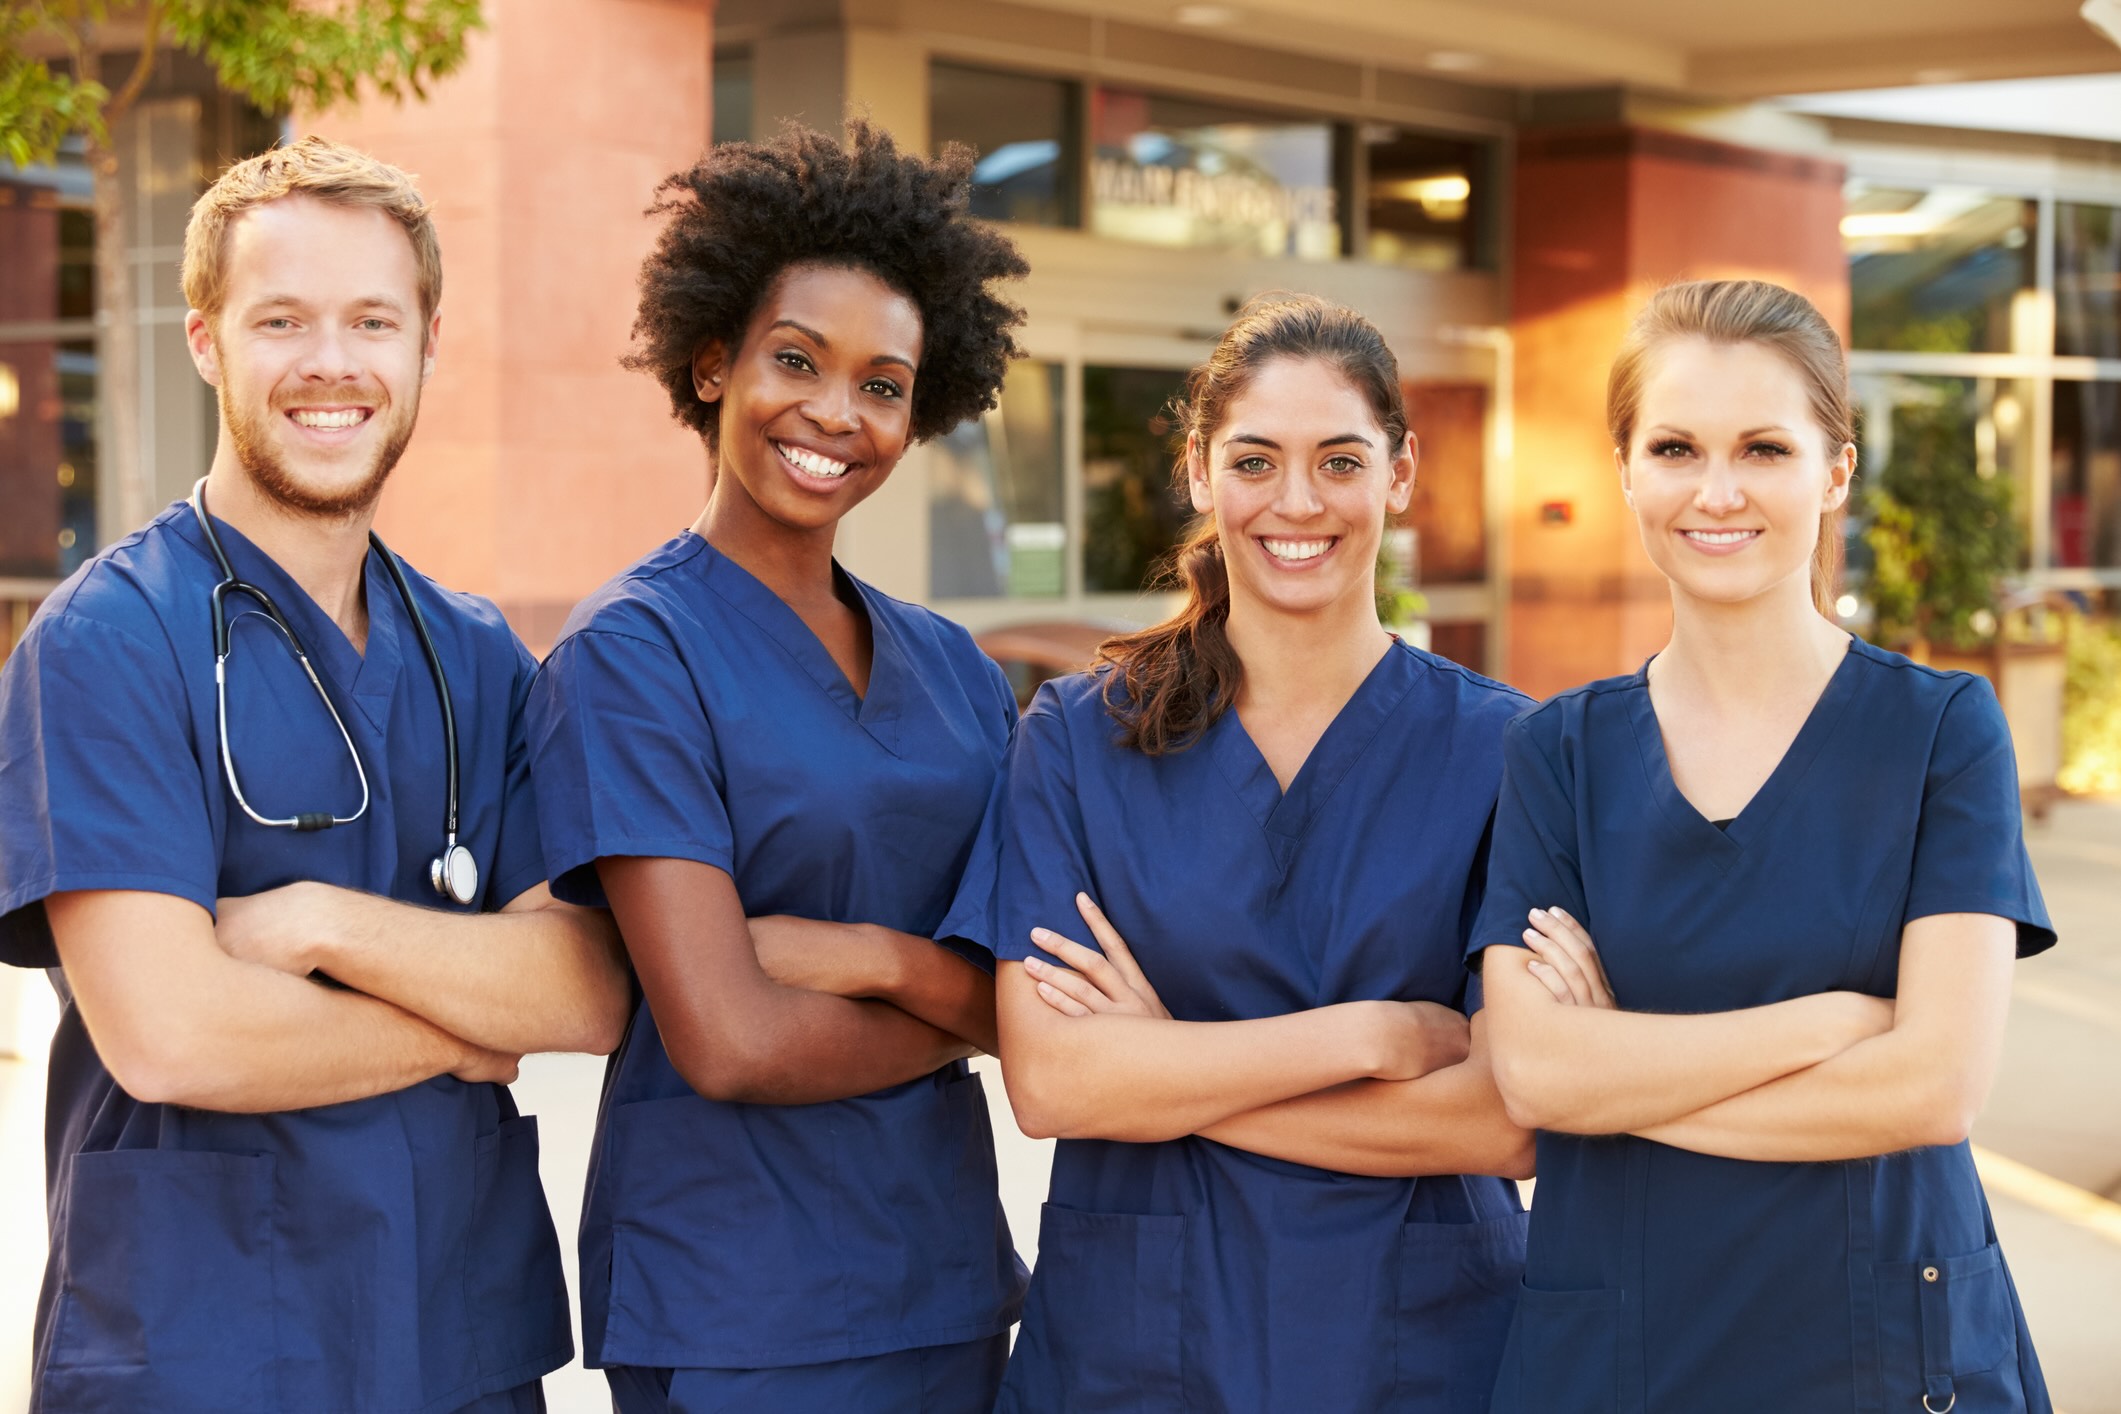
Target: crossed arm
1390	1089
788	1011
1832	1076
181	1016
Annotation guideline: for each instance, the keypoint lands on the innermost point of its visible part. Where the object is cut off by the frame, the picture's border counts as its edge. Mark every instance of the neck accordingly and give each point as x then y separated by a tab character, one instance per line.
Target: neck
1292	659
325	555
795	564
1773	643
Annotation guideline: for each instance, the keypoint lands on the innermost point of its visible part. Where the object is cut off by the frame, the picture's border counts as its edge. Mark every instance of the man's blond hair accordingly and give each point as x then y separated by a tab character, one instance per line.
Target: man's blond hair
314	167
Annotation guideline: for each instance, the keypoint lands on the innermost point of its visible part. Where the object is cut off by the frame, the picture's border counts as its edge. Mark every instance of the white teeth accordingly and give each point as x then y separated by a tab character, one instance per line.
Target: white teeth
1719	537
1297	549
811	463
329	417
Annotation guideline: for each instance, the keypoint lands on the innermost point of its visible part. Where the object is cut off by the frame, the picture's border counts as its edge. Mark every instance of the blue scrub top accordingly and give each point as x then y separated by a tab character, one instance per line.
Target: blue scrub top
688	713
1190	1275
393	1253
1661	1279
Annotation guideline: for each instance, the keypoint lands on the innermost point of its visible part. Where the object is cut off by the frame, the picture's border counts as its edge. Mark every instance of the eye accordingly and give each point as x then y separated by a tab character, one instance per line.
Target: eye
276	322
1252	464
1767	449
373	325
1344	463
1670	448
883	388
794	358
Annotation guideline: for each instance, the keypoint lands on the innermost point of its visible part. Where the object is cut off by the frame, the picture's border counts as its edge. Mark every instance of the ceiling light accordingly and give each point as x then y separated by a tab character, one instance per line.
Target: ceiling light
1458	61
1206	16
10	391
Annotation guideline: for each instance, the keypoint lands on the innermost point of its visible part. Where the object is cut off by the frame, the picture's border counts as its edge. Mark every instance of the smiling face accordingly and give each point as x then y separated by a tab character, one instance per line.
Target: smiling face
1729	471
817	401
1300	477
319	350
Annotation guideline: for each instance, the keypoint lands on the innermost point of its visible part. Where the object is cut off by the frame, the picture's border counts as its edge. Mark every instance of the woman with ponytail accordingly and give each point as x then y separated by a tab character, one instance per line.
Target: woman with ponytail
1228	876
1802	861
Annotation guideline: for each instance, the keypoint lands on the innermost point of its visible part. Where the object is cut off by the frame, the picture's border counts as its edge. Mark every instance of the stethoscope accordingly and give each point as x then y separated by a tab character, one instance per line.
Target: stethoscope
453	873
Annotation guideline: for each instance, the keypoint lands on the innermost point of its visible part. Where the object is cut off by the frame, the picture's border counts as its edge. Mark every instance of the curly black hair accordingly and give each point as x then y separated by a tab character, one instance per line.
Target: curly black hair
747	211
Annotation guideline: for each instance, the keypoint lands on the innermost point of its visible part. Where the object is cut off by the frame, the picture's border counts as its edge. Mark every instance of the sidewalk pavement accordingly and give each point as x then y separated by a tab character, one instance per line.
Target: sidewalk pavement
2050	1140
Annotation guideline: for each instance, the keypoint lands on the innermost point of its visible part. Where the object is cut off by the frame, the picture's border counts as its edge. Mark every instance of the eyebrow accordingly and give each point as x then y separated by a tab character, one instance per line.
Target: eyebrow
1253	439
1749	432
275	301
824	343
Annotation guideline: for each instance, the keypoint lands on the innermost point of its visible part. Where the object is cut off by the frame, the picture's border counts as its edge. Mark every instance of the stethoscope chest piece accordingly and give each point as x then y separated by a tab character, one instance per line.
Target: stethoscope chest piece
455	874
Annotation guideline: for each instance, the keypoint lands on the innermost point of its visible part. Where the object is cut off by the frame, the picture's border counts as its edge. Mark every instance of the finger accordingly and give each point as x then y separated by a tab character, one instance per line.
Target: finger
1551	980
1066	1005
1571	943
1578	940
1108	938
1086	960
1557	957
1074	985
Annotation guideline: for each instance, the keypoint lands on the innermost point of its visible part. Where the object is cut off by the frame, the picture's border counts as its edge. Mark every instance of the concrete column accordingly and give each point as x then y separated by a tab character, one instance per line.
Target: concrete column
1604	216
540	466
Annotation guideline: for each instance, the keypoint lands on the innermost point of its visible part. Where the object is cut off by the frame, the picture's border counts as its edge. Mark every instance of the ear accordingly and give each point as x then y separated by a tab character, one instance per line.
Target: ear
1627	485
1839	475
434	341
1405	462
708	363
199	339
1197	474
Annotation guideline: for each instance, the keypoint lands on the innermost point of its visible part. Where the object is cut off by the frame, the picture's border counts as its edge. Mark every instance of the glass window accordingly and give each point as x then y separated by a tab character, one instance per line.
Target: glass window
2086	476
1978	427
1449	512
2088	280
1025	132
1132	511
1427	199
732	96
47	457
1941	271
1172	171
996	517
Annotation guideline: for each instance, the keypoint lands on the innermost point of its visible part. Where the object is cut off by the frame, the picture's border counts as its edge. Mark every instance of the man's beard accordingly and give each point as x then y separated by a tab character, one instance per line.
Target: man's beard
269	473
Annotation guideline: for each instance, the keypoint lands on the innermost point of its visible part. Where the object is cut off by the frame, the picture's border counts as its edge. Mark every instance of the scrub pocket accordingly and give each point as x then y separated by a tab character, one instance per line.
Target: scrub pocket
166	1285
1101	1331
1563	1355
1947	1330
517	1293
1458	1285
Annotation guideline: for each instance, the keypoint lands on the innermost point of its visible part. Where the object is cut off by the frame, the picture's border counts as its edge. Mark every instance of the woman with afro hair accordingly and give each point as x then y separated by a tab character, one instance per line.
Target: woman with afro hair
773	775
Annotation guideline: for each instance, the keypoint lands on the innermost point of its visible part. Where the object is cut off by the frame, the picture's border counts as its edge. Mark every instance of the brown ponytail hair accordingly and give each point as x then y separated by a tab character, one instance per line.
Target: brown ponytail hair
1746	312
1168	684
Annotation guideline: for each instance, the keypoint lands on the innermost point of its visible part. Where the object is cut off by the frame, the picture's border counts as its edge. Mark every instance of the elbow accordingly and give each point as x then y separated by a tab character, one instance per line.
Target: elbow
1528	1098
604	1025
160	1071
1035	1116
727	1071
1944	1117
1516	1155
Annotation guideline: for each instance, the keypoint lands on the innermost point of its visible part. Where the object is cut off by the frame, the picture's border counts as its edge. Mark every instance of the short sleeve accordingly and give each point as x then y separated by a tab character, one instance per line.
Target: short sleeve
1532	857
624	761
100	785
518	857
1031	856
1970	840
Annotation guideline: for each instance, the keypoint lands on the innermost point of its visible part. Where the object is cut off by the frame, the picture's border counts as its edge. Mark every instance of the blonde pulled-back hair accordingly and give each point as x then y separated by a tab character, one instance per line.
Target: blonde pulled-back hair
1746	312
313	167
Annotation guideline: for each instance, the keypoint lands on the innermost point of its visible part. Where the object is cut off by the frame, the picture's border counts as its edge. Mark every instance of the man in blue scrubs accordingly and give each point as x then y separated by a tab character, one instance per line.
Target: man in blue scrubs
268	1193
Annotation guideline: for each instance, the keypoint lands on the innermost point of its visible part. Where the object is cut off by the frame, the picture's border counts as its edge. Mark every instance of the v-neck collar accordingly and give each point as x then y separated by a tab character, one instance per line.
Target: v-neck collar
1754	821
879	711
369	679
1286	816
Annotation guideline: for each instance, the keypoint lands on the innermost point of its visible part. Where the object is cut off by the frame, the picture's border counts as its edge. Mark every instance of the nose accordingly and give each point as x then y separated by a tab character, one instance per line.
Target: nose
1720	492
1296	497
328	356
830	408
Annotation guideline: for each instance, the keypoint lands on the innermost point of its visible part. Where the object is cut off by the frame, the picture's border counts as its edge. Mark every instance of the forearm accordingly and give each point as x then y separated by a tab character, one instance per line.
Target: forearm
931	982
867	960
800	1047
1145	1080
1594	1070
1450	1121
540	978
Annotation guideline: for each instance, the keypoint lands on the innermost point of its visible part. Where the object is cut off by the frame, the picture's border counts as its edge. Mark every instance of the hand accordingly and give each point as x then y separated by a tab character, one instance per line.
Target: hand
1418	1038
279	928
1107	983
816	956
481	1066
1565	960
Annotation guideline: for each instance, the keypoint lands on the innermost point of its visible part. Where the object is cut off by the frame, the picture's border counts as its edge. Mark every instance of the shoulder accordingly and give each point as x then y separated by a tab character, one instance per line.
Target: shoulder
1565	713
139	589
1907	686
927	632
1482	698
639	601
